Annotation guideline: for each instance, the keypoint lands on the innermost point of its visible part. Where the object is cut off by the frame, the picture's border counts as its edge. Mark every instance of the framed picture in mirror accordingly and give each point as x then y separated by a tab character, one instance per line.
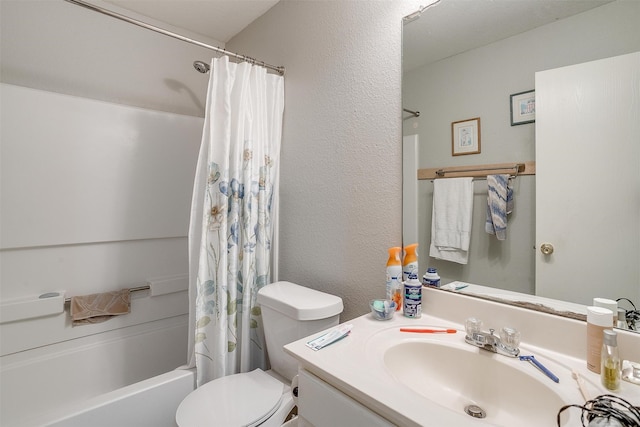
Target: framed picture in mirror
523	107
465	137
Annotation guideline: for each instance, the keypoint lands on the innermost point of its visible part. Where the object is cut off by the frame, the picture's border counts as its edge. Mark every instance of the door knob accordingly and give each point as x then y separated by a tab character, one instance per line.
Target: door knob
546	248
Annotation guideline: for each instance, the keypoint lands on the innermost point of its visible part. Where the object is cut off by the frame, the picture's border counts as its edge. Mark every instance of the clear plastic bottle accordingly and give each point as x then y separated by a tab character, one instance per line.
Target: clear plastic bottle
610	361
622	319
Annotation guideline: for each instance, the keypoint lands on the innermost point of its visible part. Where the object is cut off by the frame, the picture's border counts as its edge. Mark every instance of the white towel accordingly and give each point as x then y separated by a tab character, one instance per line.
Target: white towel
451	220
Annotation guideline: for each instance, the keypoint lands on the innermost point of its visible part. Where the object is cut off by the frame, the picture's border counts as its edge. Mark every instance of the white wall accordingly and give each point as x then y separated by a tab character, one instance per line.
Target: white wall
57	46
478	83
341	196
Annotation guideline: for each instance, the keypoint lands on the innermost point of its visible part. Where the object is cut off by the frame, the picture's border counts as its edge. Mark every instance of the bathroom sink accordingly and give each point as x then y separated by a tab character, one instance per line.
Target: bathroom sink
463	378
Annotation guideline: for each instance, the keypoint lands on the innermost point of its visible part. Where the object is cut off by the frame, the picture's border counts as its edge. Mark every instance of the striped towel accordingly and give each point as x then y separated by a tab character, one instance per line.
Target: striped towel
499	205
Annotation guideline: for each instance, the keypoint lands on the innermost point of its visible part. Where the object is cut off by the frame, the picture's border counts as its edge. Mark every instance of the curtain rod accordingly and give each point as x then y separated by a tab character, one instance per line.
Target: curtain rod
413	113
279	69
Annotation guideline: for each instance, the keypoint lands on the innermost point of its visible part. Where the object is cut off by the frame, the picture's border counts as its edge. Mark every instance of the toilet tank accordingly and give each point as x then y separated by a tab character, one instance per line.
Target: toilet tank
291	312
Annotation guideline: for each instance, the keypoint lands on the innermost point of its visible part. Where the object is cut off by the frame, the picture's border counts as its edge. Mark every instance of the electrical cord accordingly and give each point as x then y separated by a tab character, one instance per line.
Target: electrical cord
607	407
632	316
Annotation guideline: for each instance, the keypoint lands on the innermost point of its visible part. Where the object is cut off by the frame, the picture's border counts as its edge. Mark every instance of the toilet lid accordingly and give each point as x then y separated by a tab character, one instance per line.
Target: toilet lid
236	400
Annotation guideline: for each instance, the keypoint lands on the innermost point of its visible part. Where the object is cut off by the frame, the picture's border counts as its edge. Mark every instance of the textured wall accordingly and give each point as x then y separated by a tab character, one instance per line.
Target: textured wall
341	198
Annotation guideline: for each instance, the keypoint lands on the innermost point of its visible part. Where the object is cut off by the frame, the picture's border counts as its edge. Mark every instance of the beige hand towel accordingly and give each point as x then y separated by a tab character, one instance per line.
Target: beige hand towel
96	308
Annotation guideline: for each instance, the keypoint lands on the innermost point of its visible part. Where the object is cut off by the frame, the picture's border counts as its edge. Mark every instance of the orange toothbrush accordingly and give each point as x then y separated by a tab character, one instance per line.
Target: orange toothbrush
429	331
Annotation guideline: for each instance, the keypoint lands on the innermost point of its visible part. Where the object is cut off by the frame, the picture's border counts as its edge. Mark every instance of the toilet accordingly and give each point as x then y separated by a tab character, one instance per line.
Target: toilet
259	398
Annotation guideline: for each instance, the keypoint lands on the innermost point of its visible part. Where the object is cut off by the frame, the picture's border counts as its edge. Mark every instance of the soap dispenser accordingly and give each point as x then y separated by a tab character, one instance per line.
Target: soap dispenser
610	361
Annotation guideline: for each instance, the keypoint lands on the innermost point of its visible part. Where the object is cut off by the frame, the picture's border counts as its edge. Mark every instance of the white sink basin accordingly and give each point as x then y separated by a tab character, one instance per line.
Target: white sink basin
445	370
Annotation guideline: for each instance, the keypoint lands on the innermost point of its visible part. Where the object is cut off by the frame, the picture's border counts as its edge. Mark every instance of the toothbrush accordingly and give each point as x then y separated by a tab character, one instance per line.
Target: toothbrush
581	386
330	337
429	331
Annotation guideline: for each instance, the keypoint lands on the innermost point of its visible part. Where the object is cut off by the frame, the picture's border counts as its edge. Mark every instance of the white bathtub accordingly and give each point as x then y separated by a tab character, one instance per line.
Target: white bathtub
151	403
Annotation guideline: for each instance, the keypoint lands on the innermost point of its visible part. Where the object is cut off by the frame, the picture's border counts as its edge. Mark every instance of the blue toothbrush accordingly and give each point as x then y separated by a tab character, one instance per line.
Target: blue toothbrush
540	366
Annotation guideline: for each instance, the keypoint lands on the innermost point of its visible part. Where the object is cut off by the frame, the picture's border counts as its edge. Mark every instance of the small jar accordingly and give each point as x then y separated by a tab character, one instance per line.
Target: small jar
431	278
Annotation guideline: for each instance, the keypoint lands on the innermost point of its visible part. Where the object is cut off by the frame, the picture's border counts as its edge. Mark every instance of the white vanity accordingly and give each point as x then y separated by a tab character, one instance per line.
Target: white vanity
380	376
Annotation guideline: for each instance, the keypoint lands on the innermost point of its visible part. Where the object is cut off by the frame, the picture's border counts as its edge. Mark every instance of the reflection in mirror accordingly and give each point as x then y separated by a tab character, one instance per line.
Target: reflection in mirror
467	59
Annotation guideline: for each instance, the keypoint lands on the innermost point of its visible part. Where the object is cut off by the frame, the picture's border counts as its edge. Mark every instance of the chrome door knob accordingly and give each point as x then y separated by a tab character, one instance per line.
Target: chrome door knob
546	248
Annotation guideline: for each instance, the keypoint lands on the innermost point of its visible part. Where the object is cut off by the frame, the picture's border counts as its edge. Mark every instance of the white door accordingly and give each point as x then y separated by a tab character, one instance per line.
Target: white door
410	189
588	180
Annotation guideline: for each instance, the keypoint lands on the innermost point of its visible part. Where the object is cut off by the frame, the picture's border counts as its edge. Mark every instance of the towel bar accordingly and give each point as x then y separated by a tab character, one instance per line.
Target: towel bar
136	289
517	168
479	171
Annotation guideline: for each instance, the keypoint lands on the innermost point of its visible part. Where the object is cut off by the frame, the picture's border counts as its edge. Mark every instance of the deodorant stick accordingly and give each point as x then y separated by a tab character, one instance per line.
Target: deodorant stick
598	319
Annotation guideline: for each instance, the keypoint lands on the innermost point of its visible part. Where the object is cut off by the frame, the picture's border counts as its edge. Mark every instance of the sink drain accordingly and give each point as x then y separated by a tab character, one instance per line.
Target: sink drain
475	411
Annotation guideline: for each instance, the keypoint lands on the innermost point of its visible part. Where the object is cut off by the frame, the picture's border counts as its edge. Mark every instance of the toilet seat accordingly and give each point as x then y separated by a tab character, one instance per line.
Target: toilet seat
246	399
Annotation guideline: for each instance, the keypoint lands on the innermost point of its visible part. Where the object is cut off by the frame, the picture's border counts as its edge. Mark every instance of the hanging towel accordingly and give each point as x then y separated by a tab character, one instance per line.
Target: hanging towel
451	219
499	205
96	308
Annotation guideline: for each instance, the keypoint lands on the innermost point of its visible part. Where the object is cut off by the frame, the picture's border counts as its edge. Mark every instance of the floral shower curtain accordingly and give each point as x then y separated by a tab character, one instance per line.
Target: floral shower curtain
232	217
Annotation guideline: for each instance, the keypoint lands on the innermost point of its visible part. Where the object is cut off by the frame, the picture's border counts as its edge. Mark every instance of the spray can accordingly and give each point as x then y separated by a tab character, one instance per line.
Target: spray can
412	306
410	263
394	276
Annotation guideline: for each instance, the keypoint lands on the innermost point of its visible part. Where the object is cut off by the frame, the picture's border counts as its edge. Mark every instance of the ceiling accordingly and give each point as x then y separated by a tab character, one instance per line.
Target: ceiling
445	28
216	19
451	27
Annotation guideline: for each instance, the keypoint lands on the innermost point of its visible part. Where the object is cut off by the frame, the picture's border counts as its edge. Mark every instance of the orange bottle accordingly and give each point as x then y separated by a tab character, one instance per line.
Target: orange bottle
394	276
410	264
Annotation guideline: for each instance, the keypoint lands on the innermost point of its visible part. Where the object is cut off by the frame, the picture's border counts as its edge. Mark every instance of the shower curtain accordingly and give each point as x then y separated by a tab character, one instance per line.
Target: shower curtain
233	213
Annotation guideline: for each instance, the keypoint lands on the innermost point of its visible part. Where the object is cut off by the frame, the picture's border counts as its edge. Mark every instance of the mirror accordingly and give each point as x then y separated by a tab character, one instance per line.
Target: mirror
467	59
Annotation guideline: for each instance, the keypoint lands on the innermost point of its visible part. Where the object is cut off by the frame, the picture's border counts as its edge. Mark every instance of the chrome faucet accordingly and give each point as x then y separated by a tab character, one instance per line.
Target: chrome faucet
505	344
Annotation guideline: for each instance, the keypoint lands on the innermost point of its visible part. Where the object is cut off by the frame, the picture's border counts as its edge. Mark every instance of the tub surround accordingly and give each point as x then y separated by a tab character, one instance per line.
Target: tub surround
105	168
350	368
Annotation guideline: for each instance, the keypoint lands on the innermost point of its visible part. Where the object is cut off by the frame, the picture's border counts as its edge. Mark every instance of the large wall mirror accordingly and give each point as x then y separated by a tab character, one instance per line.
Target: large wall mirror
464	60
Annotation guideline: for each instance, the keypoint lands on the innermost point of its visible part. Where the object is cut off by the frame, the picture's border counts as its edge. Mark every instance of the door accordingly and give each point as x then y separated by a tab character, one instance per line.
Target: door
588	180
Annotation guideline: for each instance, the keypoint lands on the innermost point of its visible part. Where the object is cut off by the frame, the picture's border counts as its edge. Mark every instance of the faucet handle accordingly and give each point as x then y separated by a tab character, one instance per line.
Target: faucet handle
472	326
510	337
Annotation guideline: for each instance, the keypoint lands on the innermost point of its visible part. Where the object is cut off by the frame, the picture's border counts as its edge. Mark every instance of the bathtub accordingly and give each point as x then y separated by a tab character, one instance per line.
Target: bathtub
152	402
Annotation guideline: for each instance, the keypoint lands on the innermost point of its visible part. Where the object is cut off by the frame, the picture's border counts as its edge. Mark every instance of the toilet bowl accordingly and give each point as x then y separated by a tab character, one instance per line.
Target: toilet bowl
263	398
255	398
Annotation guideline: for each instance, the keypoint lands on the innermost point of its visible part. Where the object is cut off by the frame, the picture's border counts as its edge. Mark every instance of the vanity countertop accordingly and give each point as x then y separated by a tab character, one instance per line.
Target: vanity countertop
354	366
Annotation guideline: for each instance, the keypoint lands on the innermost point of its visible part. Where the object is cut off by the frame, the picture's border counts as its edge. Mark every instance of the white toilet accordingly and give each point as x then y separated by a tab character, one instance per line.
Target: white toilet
259	398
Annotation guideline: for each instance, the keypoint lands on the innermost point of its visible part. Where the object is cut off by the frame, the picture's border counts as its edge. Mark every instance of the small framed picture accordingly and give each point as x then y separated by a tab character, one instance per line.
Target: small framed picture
523	108
465	137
